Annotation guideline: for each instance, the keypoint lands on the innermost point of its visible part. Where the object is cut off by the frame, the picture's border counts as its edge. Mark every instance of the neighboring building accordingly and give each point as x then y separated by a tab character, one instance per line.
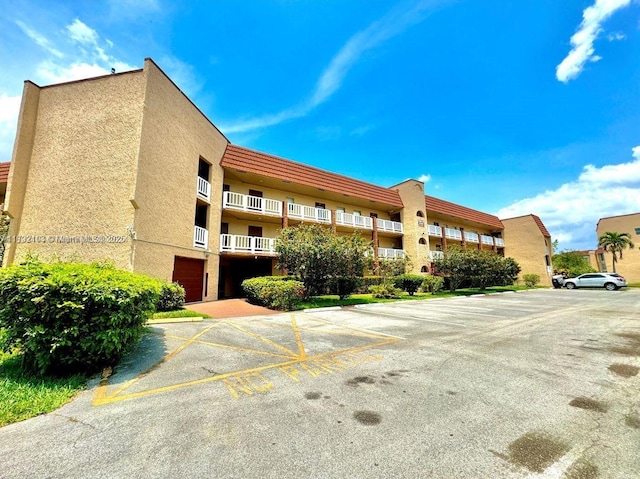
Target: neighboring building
452	224
629	265
126	167
595	258
4	177
529	243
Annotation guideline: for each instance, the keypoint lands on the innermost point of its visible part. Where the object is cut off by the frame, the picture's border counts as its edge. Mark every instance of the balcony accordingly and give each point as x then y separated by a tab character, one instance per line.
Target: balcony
251	204
434	255
308	213
247	244
453	234
204	189
471	237
434	230
486	239
499	242
200	238
389	226
390	253
355	221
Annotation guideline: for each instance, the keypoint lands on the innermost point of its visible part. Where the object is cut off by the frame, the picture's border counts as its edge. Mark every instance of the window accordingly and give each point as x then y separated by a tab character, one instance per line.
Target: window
321	205
255	231
226	188
340	208
420	214
290	201
357	213
203	169
373	215
224	228
547	260
255	193
422	241
424	269
638	231
201	215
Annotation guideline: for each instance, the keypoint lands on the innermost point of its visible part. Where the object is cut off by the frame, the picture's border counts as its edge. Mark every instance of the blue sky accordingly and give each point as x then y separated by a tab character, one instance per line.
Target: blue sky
509	107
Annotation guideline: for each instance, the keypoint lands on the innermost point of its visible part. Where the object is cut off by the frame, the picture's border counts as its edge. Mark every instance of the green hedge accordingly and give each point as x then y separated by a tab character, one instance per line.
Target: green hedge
73	317
432	284
385	290
171	297
368	281
531	280
274	292
409	282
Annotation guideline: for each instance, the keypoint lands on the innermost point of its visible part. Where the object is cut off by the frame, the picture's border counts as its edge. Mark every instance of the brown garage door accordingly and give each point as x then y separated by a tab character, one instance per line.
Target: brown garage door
189	273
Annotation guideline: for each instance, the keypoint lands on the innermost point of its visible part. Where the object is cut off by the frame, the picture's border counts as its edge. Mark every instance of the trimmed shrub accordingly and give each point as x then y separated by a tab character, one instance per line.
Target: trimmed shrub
530	280
409	282
274	292
432	284
171	298
367	281
73	317
344	286
385	290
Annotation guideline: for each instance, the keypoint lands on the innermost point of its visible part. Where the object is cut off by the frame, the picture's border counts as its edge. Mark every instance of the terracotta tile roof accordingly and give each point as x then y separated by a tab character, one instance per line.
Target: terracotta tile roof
243	159
443	207
4	172
540	224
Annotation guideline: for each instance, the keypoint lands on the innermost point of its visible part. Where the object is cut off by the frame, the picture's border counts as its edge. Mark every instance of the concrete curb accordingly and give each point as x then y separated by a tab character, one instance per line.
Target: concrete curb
195	319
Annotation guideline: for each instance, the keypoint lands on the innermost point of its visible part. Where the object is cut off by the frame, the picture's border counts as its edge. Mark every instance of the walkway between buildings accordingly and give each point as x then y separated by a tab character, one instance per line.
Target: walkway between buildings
230	308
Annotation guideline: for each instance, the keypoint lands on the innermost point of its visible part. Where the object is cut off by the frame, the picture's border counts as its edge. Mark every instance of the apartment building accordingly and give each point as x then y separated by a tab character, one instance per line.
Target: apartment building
126	167
530	244
629	266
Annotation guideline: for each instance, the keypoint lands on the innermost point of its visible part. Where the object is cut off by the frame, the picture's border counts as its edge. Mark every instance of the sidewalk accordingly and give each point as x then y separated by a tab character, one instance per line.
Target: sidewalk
230	308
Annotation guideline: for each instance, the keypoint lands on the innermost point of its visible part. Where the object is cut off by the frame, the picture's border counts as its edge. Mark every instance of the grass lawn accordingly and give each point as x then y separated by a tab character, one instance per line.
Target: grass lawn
333	300
23	396
179	313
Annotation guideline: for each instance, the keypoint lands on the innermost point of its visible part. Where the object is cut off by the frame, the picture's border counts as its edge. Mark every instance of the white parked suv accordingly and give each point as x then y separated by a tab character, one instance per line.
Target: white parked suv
610	281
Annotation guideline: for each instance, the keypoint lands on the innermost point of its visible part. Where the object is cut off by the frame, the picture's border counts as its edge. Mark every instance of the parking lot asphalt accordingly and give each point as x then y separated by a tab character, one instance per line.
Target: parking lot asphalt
535	384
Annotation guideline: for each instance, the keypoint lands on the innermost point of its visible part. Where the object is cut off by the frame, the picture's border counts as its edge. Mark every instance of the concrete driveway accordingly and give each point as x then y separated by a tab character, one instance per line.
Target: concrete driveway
536	384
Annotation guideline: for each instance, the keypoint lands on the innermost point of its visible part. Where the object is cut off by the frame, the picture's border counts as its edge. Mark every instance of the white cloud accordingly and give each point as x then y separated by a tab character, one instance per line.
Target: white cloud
582	41
616	36
572	211
9	110
81	33
424	178
393	23
40	39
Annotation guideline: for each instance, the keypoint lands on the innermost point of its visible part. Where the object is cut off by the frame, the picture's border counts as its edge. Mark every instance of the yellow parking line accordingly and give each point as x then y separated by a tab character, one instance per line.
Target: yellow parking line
237	348
296	332
373	334
97	401
263	339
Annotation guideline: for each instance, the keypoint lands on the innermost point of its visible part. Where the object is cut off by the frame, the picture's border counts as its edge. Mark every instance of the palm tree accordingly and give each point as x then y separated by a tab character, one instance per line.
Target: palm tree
615	243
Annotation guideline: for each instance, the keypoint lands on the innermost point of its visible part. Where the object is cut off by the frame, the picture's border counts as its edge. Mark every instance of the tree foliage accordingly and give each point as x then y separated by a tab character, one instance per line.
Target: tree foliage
573	263
615	243
322	260
481	268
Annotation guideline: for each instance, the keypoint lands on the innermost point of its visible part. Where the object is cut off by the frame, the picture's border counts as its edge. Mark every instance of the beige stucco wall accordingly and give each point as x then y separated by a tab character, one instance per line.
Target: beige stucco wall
175	135
629	265
525	243
412	195
72	172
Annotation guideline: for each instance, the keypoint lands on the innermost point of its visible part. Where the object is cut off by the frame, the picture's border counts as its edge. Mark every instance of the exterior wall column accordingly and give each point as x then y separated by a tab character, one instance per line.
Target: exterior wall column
374	239
464	240
285	214
333	221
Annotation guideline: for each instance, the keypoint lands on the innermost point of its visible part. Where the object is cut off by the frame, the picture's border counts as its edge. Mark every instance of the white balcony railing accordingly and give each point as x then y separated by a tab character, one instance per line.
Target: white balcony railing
471	237
200	238
388	225
486	239
204	189
308	213
356	221
434	230
453	234
247	244
251	204
390	253
434	255
499	242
